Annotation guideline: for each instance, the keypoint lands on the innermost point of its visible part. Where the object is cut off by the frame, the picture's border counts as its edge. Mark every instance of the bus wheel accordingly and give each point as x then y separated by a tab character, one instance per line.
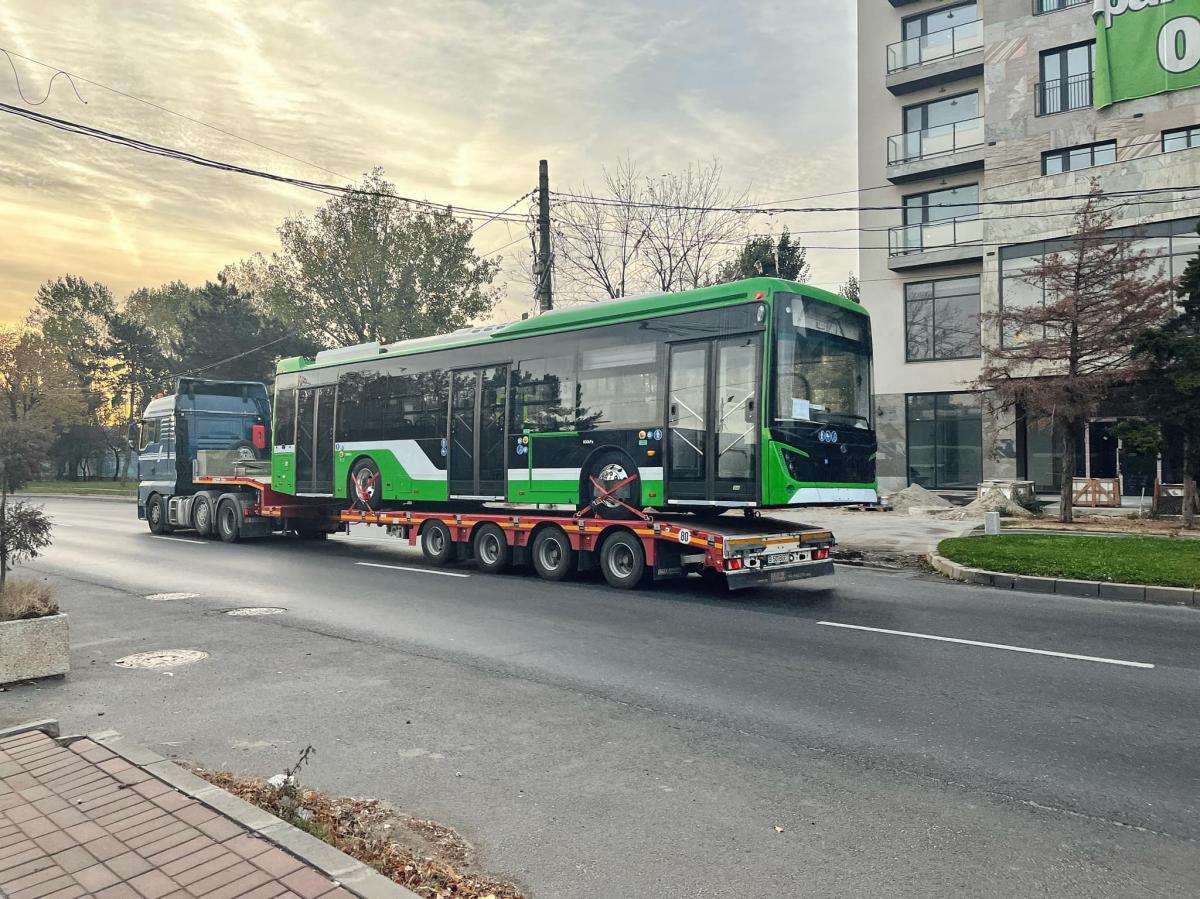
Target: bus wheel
553	557
491	548
366	485
612	468
229	520
156	515
202	514
436	543
623	561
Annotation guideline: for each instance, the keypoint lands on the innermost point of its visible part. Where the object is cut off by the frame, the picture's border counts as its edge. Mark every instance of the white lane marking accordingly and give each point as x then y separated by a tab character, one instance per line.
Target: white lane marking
179	539
1036	652
417	570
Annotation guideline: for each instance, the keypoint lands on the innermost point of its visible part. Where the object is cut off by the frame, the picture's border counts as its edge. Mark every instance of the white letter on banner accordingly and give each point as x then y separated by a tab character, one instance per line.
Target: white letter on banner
1169	57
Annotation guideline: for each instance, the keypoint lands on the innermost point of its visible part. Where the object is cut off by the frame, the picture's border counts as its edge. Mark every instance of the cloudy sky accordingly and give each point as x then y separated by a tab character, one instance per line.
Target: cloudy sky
456	99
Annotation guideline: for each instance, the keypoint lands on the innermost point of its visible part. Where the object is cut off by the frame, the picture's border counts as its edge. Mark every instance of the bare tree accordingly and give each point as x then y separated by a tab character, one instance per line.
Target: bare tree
1059	359
637	233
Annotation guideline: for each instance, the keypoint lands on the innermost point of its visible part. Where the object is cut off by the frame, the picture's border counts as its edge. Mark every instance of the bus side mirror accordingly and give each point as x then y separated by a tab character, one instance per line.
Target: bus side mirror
258	436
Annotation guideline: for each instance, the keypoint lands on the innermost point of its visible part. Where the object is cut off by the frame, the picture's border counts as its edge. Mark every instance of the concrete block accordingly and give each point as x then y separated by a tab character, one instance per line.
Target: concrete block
249	816
369	884
317	853
1170	596
131	752
1032	584
34	647
1067	587
48	726
1129	592
184	781
1004	581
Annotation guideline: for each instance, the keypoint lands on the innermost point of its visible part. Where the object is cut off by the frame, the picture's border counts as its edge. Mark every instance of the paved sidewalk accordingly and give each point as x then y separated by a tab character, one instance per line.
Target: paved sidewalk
893	532
81	821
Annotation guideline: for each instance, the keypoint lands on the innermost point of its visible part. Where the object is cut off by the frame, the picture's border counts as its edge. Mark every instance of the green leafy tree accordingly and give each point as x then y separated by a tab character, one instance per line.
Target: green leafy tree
763	255
73	313
851	290
24	529
223	333
1171	384
366	267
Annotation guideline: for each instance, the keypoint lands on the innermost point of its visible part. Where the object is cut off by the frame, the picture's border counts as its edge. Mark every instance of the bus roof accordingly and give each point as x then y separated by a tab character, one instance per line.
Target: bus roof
574	318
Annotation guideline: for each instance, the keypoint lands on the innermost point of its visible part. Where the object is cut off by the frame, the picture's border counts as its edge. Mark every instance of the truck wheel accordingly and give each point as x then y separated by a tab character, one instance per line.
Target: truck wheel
491	549
156	515
623	561
366	486
611	468
553	557
229	520
436	543
202	514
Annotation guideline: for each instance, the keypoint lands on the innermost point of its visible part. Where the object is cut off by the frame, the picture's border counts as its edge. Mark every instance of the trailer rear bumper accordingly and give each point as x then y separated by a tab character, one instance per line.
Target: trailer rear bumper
756	577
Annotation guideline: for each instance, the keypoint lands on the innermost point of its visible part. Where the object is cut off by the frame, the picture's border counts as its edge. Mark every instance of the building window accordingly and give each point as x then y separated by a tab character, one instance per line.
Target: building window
1066	79
942	205
1173	244
936	219
936	127
1181	139
1045	6
1073	159
938	34
945	440
941	319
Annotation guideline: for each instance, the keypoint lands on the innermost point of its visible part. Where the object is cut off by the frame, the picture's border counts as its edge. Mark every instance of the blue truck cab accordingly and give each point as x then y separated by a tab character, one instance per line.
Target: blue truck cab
231	416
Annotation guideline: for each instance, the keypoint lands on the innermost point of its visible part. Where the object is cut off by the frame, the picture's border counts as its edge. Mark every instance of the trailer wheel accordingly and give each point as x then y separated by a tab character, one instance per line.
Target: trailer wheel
156	515
229	519
202	514
437	544
491	548
553	557
623	560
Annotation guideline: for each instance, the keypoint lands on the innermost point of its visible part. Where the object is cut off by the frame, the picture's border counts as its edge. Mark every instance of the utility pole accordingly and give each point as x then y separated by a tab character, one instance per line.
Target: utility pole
543	265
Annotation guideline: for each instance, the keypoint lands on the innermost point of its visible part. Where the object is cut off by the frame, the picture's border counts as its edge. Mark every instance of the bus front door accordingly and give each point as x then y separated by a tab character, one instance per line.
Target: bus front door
712	422
314	441
476	440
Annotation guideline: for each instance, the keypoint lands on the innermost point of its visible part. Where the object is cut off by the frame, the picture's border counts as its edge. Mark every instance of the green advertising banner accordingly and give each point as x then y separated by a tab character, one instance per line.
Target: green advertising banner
1145	47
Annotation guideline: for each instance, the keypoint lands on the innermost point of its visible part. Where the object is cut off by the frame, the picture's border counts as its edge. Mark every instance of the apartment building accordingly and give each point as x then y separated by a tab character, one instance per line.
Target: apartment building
966	102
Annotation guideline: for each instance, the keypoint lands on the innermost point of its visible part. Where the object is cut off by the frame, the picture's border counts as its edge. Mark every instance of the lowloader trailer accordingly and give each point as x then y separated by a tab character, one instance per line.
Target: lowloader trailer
730	551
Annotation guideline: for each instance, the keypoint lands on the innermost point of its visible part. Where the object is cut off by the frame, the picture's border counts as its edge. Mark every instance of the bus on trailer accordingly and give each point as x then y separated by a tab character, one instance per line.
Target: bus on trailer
750	395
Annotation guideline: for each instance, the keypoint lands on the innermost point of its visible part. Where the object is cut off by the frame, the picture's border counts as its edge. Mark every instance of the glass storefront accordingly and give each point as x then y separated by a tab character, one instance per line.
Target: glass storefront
945	440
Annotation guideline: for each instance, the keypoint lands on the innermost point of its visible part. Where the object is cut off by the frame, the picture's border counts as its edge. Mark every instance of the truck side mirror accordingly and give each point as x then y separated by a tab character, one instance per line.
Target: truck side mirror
258	436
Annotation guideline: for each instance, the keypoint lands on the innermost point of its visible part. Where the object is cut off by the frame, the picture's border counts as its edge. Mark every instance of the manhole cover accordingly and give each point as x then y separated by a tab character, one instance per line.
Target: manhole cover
161	658
166	597
255	610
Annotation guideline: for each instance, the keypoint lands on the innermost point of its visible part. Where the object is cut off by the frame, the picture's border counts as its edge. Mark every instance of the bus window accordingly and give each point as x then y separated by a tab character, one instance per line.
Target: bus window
545	395
618	387
285	418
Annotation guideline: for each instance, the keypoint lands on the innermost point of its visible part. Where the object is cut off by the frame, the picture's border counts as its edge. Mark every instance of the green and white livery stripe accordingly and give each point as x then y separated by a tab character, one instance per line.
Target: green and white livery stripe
408	453
834	495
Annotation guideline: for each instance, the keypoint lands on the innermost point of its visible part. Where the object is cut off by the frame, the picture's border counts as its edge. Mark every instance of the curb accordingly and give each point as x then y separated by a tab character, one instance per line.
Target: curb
24	494
351	874
1168	596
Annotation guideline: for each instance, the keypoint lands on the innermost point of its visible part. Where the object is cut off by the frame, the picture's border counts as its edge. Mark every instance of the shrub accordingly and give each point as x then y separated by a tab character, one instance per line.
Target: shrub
1031	503
26	599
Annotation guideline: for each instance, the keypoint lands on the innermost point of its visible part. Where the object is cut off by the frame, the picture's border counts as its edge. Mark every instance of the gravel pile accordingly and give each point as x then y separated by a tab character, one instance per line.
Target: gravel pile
917	497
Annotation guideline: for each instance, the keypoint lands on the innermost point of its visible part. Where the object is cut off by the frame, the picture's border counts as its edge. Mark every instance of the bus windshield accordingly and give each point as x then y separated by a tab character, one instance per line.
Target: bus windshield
822	363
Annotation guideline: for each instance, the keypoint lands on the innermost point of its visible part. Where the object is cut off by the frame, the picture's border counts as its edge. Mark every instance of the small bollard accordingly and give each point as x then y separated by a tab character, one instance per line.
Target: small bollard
991	524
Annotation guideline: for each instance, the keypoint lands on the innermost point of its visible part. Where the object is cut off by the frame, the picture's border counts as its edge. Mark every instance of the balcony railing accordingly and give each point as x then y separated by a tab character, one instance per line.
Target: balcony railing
936	141
935	235
1064	94
1041	7
944	44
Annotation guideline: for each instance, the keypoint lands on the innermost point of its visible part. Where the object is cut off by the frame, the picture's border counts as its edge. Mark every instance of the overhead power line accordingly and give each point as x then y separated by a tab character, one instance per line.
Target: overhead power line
205	162
9	54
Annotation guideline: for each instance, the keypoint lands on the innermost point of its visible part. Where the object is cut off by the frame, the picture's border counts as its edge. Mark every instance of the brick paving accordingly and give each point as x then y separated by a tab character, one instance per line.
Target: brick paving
81	821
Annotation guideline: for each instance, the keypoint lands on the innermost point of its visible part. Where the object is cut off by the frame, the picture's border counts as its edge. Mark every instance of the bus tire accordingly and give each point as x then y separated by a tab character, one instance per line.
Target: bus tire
365	474
156	515
203	514
437	544
611	466
490	548
623	560
229	519
553	558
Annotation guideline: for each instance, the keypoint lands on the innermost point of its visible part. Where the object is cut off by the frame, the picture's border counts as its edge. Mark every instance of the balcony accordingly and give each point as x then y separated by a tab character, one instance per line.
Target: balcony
949	148
935	58
935	243
1041	7
1063	94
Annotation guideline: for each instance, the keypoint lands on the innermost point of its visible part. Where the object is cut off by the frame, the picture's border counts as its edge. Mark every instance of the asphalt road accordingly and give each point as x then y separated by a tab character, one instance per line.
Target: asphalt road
593	743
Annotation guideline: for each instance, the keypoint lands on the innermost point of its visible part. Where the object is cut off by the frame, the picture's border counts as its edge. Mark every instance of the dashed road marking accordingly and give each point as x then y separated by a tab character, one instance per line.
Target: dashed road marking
417	570
1025	649
179	539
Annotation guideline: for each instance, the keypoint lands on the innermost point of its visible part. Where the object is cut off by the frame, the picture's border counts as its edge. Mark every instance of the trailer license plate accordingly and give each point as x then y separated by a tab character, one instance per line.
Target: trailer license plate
777	558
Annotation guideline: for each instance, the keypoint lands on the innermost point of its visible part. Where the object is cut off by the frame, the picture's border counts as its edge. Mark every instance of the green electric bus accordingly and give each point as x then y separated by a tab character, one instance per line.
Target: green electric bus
755	394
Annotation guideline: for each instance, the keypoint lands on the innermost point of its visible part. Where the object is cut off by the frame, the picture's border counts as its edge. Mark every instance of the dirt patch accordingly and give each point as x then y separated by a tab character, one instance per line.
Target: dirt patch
428	858
1112	524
